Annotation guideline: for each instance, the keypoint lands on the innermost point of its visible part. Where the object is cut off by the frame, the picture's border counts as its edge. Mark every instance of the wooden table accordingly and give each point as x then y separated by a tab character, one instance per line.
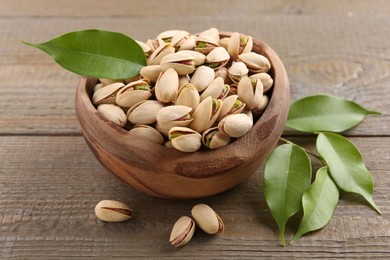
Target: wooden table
50	180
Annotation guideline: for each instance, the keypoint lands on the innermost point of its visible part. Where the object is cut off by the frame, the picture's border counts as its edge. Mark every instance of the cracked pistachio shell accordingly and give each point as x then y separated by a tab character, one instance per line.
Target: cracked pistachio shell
255	62
188	44
262	106
213	138
176	115
166	36
113	113
183	63
212	32
237	71
202	77
151	72
235	125
185	139
206	114
185	79
183	40
106	94
167	86
148	132
217	89
144	112
97	87
182	231
162	51
207	219
133	93
249	94
153	44
239	43
265	78
231	105
205	44
223	73
146	48
224	42
217	58
199	58
112	211
178	37
188	96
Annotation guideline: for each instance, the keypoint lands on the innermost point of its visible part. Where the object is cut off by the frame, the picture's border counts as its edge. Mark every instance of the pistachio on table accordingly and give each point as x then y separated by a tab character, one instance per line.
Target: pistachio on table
214	87
207	219
182	231
112	211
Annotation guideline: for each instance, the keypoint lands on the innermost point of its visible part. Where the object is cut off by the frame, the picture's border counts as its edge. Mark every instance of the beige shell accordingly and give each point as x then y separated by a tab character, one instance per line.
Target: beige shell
146	48
97	87
212	32
206	114
175	115
235	125
178	37
205	44
185	79
188	96
129	95
107	94
265	78
153	44
248	94
151	72
237	70
113	211
183	40
185	139
144	112
162	51
213	138
255	62
217	58
182	231
148	132
223	73
167	86
263	105
182	63
202	77
207	219
217	89
113	113
224	42
199	58
106	82
231	105
166	36
239	43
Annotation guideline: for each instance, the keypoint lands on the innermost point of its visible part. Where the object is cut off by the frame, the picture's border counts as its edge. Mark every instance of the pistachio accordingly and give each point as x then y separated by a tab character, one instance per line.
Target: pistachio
183	40
207	219
185	139
112	211
146	48
183	63
212	32
223	73
113	113
250	94
148	132
237	71
107	94
202	77
212	138
185	79
205	44
238	44
151	72
144	112
265	79
235	125
97	87
188	96
167	36
182	231
231	105
162	51
206	114
217	58
176	115
217	89
167	86
133	93
255	62
106	82
224	42
199	58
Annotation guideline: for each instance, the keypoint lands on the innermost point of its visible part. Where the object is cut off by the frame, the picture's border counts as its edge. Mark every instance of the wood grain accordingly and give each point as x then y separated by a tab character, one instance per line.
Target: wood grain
47	210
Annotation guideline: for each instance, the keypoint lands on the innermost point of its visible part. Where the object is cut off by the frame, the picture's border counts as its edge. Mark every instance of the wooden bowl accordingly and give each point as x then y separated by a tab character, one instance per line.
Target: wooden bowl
168	173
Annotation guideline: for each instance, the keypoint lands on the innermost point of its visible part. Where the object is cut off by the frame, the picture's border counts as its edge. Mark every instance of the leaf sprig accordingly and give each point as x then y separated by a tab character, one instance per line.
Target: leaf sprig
344	168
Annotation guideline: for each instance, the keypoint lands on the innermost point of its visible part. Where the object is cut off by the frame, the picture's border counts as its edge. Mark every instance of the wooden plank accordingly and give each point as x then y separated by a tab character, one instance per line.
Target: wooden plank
50	185
117	8
338	59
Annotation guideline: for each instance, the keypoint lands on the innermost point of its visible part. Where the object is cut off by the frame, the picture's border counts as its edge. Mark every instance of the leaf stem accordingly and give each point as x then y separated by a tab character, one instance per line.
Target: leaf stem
317	156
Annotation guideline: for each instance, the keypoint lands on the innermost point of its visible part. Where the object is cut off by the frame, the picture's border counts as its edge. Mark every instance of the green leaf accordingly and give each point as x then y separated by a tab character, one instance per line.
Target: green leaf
319	202
287	175
96	53
325	113
346	166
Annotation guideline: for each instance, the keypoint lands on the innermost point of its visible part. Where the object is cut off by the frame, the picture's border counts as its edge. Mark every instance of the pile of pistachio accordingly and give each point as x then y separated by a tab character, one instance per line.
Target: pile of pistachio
183	229
194	90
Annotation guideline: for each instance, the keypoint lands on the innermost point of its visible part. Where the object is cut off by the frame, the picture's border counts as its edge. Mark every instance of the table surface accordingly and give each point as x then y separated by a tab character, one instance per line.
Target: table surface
50	181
